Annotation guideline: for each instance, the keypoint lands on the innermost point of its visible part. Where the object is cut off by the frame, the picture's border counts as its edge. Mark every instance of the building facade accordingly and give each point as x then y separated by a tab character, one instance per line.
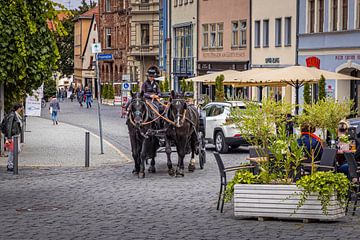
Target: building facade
223	41
273	41
329	38
114	37
143	52
184	30
85	33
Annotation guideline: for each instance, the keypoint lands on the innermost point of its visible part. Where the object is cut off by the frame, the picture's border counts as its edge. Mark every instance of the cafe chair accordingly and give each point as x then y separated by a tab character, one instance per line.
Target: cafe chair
326	163
354	177
223	181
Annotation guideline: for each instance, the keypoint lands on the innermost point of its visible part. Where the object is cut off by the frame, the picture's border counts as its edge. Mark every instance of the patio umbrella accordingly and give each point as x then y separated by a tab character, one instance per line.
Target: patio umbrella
211	77
296	76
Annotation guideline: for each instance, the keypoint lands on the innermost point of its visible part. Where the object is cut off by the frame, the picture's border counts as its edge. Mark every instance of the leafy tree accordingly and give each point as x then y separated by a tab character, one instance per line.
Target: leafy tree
322	93
49	89
166	85
161	86
111	91
190	86
183	85
219	88
307	95
84	7
28	53
135	88
104	91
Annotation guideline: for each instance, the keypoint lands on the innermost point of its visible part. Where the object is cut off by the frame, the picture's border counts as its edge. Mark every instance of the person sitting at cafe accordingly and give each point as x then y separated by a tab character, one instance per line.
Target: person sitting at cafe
312	144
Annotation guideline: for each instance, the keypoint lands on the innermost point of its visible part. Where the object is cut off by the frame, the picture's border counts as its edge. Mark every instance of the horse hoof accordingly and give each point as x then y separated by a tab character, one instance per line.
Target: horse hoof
141	175
171	172
191	167
134	172
152	169
180	173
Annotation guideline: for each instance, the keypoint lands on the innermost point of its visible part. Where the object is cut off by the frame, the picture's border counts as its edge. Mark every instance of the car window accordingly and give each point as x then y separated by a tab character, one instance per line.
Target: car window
208	110
217	110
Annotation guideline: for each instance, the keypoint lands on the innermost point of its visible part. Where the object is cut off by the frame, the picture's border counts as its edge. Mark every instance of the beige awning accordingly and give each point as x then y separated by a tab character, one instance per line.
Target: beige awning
228	74
293	74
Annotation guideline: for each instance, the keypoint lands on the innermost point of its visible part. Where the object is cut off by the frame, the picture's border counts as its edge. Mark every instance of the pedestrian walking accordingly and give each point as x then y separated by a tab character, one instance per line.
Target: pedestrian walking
54	109
12	127
80	96
88	95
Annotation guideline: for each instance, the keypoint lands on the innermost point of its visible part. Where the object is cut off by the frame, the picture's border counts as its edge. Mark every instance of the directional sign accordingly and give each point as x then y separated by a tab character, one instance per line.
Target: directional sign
96	48
126	86
102	57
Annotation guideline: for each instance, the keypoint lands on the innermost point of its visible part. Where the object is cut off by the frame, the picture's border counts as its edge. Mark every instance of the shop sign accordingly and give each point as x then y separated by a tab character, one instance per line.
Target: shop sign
272	60
313	62
347	57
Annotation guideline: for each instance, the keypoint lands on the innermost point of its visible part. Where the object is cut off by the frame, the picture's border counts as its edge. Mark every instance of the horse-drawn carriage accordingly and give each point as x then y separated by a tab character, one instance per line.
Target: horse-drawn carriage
170	126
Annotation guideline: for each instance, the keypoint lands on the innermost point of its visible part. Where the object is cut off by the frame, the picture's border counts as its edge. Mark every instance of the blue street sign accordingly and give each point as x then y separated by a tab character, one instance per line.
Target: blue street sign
126	86
101	57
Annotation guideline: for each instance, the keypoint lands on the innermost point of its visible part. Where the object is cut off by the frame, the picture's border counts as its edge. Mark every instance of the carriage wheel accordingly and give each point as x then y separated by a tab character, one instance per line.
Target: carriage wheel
202	152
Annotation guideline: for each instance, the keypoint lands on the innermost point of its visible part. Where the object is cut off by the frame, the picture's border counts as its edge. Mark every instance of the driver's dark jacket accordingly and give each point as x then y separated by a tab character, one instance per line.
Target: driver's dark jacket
149	88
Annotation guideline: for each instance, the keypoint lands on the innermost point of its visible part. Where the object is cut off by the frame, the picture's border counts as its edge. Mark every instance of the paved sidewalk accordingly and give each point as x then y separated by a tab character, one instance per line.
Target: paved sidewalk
63	145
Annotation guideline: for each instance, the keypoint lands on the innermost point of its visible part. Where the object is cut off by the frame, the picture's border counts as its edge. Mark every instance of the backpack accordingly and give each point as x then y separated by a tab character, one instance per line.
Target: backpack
4	124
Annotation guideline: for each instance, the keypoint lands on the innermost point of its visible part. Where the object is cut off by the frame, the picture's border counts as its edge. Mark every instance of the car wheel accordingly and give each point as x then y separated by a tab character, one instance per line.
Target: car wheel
220	144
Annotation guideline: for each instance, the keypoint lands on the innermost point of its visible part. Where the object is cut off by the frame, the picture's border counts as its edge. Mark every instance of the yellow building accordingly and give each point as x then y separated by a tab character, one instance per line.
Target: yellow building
273	41
85	34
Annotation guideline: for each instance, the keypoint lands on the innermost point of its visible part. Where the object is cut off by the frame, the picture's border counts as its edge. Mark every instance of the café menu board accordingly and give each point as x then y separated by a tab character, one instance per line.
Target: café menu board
33	103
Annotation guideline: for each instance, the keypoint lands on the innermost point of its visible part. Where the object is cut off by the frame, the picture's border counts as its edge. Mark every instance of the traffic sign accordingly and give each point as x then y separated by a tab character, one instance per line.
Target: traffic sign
126	86
96	48
102	57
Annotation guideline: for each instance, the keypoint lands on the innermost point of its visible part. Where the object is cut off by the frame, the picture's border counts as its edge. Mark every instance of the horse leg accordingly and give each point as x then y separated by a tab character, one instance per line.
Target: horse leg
168	155
152	168
136	158
143	157
180	166
191	166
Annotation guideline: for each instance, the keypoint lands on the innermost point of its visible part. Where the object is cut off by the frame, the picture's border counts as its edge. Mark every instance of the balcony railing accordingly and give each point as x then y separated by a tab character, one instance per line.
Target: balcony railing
183	65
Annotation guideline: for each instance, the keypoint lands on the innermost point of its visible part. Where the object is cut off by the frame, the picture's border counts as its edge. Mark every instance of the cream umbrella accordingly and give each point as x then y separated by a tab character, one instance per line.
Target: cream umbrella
296	76
211	77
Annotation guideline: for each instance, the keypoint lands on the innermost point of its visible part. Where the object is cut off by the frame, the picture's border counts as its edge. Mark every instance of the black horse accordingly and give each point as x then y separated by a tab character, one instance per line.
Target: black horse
183	130
143	147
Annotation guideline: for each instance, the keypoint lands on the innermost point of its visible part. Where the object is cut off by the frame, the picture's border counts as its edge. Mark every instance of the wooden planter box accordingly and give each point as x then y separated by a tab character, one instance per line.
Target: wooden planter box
280	201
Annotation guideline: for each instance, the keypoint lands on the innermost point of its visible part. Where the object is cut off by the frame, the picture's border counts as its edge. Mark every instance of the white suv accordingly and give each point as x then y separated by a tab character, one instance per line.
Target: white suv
222	136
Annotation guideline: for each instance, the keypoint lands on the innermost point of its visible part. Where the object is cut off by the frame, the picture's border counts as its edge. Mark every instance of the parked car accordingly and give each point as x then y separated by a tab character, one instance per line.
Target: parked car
222	136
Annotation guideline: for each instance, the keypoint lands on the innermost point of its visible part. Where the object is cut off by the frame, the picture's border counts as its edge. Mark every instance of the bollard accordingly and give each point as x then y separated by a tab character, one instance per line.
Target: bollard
87	149
16	154
22	132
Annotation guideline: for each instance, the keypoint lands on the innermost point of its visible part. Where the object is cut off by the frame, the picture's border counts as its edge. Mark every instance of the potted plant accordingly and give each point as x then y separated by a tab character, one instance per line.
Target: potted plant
274	192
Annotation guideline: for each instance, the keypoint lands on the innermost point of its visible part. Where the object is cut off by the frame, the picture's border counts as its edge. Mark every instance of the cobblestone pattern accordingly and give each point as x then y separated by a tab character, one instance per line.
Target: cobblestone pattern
111	203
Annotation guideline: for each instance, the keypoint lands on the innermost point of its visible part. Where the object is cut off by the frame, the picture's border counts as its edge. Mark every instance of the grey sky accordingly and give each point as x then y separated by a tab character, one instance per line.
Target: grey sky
73	3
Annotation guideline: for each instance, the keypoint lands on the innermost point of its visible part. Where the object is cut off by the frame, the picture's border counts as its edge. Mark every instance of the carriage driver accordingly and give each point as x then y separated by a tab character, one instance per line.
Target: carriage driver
151	89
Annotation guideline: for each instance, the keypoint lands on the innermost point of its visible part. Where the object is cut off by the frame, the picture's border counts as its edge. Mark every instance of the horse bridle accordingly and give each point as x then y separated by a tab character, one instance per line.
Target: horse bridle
179	119
138	113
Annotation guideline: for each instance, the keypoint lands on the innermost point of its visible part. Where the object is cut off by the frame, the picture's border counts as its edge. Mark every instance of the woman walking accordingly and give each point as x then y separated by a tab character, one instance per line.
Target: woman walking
54	109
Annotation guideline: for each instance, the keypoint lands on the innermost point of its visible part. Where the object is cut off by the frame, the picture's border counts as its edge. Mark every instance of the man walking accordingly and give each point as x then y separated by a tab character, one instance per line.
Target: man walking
88	96
13	128
54	109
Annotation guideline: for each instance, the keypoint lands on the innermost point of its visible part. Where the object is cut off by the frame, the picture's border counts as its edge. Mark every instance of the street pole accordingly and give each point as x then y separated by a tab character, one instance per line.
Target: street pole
2	114
99	107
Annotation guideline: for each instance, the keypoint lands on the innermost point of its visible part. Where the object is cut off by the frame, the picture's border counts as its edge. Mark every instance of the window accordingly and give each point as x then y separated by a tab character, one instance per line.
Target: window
288	31
108	37
243	33
220	34
205	36
175	3
145	34
321	15
311	16
212	35
265	33
108	5
91	61
334	12
278	32
94	27
185	1
180	2
235	34
344	14
144	1
93	40
257	33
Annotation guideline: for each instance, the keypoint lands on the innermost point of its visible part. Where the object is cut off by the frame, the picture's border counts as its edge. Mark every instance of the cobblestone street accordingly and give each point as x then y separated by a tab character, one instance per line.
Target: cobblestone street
108	202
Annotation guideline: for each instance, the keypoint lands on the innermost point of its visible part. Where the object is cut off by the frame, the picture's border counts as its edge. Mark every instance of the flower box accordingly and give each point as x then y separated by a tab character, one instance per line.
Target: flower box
281	201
